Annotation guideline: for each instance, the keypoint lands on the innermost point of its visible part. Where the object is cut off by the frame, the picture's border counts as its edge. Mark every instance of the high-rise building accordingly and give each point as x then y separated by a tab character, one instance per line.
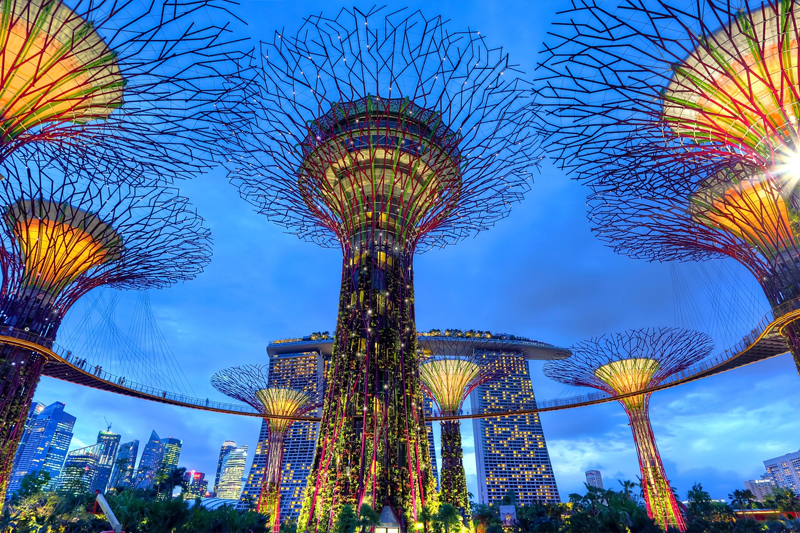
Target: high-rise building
226	447
761	488
44	444
196	485
594	479
785	471
124	465
230	478
299	364
150	463
428	404
110	445
511	452
80	470
172	453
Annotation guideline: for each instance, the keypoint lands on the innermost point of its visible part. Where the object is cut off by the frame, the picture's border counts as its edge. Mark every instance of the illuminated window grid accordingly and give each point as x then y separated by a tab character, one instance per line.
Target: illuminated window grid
511	452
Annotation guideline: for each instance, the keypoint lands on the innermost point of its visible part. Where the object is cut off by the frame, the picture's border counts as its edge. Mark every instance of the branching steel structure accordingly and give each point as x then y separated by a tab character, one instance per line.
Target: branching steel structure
384	134
622	363
62	236
448	377
249	384
683	119
130	81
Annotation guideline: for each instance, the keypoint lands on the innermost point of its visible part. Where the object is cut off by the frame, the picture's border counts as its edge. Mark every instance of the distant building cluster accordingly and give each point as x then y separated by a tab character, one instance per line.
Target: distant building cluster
102	466
782	472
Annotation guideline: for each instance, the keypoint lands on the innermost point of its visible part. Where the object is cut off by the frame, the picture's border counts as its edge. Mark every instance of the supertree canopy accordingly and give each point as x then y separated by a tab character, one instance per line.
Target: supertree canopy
684	122
384	134
134	82
625	363
250	384
63	235
448	377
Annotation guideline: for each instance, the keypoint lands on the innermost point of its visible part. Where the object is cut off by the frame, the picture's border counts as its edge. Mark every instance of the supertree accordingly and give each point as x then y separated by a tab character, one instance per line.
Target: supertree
683	120
134	82
624	363
64	235
448	376
250	384
384	135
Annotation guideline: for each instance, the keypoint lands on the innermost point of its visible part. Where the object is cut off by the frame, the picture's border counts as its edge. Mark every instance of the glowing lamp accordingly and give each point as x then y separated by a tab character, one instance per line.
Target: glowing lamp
732	91
448	380
58	243
55	68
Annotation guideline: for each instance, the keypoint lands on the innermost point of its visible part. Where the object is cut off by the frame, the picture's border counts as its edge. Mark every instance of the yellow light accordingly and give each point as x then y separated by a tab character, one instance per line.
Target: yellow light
281	402
54	68
629	375
447	380
59	243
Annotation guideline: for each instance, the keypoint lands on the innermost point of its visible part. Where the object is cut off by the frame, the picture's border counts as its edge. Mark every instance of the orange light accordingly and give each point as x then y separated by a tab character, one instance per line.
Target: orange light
54	68
59	243
753	210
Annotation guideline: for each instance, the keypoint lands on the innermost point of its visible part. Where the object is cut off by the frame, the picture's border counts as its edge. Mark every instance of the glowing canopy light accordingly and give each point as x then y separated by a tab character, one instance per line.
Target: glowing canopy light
386	162
55	68
755	210
740	85
282	402
448	381
629	375
58	242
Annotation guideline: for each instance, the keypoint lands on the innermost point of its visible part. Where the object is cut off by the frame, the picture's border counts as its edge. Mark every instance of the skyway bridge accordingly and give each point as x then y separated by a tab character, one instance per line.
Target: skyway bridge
763	342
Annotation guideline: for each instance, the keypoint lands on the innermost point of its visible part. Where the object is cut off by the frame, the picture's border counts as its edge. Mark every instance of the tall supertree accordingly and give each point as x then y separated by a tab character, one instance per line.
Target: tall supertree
134	82
383	134
628	362
448	376
684	123
250	384
64	235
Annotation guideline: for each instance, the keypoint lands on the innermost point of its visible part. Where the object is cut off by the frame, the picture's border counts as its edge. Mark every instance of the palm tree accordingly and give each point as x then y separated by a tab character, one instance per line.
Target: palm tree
742	499
448	516
627	488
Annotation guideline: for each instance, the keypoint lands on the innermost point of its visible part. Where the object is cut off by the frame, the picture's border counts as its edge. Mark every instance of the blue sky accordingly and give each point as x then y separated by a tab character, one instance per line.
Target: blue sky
538	273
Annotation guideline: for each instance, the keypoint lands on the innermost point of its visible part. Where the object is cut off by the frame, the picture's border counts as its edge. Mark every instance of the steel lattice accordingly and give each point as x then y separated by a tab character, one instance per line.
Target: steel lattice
622	363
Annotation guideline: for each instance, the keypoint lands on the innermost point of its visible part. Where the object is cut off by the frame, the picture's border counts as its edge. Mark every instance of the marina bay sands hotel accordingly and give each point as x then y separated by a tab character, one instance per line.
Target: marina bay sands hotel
511	452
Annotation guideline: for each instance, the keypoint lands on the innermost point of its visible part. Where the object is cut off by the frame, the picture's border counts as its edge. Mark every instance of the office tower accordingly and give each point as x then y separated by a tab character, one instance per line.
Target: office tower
761	488
299	364
44	444
124	465
511	452
594	479
785	471
172	453
196	485
427	403
80	470
227	446
110	444
150	463
230	478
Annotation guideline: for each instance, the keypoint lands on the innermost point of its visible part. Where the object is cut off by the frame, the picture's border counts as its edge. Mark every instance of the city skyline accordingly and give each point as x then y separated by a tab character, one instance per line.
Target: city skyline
561	301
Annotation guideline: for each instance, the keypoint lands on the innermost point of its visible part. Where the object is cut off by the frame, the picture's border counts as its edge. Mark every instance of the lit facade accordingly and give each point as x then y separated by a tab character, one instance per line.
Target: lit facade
44	444
124	466
230	478
196	485
226	447
761	488
784	471
80	470
299	365
150	463
109	443
594	479
172	454
511	452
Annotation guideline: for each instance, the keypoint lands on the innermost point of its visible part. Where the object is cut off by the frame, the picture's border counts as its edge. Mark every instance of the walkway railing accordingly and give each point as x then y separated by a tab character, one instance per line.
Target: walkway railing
768	325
